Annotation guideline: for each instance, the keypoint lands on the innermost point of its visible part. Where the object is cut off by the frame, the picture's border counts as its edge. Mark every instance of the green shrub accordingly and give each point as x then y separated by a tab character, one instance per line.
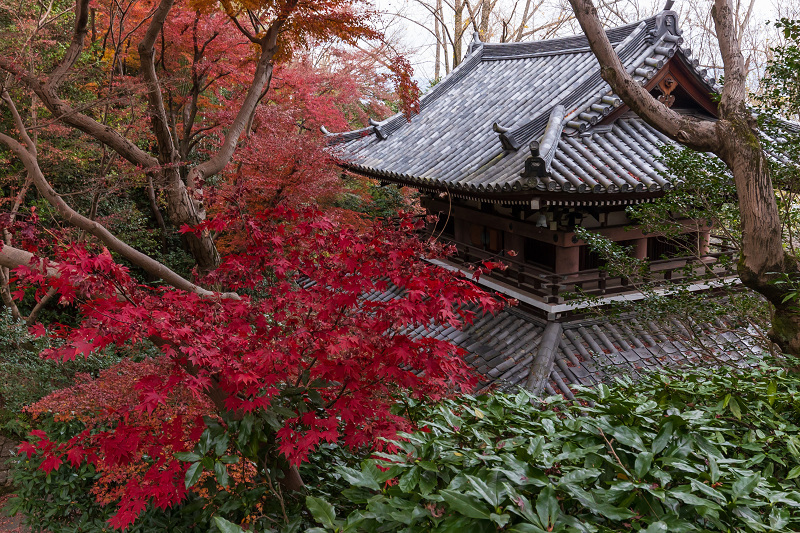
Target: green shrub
695	450
25	377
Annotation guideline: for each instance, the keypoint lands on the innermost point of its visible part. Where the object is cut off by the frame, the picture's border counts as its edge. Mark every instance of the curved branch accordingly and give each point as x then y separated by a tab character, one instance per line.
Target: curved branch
734	92
148	264
67	114
261	80
75	47
696	133
166	144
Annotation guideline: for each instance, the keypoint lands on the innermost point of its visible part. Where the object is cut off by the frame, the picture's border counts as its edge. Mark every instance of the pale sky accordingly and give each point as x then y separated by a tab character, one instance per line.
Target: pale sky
419	43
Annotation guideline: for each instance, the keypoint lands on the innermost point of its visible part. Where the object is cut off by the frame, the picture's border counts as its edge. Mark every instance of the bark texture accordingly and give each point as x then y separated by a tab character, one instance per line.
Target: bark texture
184	189
734	139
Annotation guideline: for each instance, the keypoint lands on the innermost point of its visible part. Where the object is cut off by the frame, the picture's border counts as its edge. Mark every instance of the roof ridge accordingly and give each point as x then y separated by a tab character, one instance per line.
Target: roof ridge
559	45
478	53
389	125
523	134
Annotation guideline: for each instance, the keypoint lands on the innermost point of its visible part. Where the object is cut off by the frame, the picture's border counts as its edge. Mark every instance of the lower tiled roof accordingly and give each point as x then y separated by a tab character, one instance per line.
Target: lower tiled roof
503	347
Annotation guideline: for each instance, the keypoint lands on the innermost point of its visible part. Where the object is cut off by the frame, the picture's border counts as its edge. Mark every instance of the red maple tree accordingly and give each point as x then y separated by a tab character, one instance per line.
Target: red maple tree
326	333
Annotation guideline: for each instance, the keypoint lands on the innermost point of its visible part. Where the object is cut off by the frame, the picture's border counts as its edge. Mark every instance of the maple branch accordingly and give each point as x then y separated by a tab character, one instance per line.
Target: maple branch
75	47
67	114
5	293
261	80
734	91
155	99
696	133
18	121
51	292
146	263
11	257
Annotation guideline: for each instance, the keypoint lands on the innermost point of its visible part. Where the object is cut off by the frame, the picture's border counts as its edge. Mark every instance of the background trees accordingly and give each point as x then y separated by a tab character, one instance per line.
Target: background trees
168	88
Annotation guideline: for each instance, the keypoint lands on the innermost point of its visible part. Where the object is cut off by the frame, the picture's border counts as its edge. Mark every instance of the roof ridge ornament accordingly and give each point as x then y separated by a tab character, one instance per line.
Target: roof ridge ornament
378	129
543	150
666	24
476	42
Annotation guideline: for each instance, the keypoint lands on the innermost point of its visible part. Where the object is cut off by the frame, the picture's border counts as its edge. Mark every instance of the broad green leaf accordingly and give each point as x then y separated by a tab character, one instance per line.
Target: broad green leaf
779	519
663	437
628	437
466	505
221	471
188	457
193	474
490	493
642	465
606	510
713	469
744	486
500	519
735	409
691	499
221	444
772	391
547	506
226	527
525	528
359	478
793	473
427	483
245	430
322	511
408	481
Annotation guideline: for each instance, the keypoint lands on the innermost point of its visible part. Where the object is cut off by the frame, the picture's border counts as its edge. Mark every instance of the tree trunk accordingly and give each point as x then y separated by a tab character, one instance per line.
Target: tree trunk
437	65
183	209
486	11
458	31
733	138
762	260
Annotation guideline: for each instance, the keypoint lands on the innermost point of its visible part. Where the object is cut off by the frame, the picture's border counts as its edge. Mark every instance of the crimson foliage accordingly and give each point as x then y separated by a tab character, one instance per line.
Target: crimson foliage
326	335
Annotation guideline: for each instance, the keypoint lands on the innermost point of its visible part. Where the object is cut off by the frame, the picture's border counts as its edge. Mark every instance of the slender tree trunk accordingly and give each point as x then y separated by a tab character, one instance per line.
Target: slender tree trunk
458	31
486	11
437	72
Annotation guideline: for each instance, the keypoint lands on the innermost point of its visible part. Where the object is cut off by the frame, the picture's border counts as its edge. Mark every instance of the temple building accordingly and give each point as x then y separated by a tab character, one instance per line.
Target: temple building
514	149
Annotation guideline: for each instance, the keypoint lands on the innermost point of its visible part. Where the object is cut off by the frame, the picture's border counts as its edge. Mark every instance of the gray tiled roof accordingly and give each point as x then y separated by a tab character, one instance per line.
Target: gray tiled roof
502	348
452	144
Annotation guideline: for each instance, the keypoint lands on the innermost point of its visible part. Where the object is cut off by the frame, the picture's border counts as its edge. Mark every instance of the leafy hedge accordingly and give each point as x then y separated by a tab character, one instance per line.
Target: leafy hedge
697	450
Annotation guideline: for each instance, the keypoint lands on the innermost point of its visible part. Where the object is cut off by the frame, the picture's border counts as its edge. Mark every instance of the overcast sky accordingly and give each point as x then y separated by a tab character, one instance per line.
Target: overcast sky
418	43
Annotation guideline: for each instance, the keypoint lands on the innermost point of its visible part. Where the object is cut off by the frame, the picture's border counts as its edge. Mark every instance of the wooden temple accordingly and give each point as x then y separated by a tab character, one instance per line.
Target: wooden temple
514	149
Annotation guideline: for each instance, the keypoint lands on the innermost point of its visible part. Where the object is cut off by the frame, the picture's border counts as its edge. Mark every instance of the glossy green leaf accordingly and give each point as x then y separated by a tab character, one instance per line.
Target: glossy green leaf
468	506
193	474
322	511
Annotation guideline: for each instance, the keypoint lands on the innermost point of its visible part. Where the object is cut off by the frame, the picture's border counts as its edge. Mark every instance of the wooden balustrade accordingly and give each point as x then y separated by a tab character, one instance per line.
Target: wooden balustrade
551	288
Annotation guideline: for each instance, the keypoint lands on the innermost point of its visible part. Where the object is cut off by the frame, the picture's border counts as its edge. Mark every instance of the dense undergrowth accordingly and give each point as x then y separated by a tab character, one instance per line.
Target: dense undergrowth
690	450
695	450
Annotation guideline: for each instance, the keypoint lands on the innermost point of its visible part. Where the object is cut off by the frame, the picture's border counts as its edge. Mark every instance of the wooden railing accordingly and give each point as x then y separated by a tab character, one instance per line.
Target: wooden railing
552	288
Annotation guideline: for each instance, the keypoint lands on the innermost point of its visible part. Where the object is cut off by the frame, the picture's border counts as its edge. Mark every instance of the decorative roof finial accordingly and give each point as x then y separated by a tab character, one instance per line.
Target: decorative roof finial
666	26
476	38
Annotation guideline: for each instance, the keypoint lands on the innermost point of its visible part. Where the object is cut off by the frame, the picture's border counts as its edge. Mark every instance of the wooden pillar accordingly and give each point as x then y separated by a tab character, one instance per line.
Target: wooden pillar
703	243
515	242
461	228
640	248
567	259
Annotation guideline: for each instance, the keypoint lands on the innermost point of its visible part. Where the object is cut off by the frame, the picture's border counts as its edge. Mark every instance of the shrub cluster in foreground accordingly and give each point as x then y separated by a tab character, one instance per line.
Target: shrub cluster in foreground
695	450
